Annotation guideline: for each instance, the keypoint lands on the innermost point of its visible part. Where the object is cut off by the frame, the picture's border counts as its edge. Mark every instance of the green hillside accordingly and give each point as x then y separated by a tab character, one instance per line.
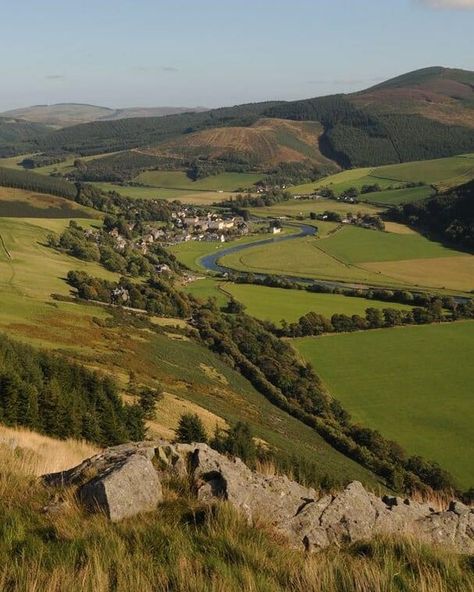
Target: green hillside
393	179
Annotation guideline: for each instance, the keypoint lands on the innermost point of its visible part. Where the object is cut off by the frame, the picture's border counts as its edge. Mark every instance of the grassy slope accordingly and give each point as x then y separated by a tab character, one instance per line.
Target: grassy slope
413	384
29	204
275	304
391	197
442	172
185	547
31	275
303	208
204	198
179	180
184	368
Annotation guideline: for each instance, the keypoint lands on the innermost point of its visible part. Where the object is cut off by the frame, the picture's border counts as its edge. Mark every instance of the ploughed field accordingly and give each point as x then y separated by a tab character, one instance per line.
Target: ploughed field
352	254
413	384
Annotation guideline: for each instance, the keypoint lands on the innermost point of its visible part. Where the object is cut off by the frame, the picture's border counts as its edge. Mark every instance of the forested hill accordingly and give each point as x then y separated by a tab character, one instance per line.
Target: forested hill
65	114
449	215
421	115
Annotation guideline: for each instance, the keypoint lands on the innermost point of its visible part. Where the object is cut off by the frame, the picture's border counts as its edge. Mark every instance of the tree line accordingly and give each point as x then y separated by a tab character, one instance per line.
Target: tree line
272	367
47	393
449	216
98	245
156	296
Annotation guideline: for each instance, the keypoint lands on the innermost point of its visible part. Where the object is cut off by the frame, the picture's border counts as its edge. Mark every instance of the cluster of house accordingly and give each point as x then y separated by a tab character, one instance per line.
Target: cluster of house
208	227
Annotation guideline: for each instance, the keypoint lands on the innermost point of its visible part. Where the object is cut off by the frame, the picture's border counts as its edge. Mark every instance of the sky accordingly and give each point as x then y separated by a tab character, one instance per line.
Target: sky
123	53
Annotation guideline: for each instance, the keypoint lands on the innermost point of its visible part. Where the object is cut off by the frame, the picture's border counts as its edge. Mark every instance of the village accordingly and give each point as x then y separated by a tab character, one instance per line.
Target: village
186	225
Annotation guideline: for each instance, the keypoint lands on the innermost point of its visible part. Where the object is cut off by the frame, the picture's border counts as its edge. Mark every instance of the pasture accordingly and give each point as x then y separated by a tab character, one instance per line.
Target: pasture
189	253
277	304
180	180
29	273
413	384
208	287
201	198
442	173
302	208
393	197
352	254
20	203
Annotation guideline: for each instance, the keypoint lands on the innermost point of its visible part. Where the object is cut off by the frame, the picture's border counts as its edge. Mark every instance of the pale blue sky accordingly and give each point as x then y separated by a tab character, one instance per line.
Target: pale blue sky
182	52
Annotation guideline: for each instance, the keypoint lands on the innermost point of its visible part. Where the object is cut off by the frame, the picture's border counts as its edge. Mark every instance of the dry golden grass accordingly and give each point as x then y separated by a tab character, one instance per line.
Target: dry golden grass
169	410
451	273
41	454
398	228
185	546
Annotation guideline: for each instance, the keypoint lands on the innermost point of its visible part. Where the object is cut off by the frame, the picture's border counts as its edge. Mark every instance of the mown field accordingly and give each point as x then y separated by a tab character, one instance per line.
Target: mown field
413	384
276	304
354	254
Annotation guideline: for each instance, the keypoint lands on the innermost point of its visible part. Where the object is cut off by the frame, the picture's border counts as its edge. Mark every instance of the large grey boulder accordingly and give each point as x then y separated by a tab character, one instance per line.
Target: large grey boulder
124	490
121	481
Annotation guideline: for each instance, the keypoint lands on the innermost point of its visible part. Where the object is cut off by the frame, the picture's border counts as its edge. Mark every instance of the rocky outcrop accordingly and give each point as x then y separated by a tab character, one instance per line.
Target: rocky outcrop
126	480
121	482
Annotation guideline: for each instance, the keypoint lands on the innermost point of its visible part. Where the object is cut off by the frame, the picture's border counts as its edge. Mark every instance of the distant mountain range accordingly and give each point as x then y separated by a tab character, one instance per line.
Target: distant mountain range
66	114
427	113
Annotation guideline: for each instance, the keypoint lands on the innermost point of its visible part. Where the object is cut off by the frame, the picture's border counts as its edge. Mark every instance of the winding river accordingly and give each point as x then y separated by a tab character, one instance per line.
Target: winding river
211	261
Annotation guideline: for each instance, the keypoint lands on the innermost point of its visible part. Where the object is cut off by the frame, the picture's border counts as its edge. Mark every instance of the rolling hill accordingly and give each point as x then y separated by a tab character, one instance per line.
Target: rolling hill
67	114
421	115
265	143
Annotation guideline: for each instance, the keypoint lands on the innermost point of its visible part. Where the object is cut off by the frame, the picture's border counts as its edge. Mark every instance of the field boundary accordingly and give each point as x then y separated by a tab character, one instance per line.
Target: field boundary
2	242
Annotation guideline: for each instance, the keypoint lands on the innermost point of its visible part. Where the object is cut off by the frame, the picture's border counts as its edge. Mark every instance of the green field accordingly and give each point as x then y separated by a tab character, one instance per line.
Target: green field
391	197
29	204
29	273
413	384
276	304
358	245
206	288
352	254
190	252
180	180
441	172
204	198
302	208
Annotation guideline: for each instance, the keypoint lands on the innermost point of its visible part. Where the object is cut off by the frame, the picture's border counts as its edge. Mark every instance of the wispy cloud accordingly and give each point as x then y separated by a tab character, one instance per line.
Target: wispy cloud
154	69
450	4
55	77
